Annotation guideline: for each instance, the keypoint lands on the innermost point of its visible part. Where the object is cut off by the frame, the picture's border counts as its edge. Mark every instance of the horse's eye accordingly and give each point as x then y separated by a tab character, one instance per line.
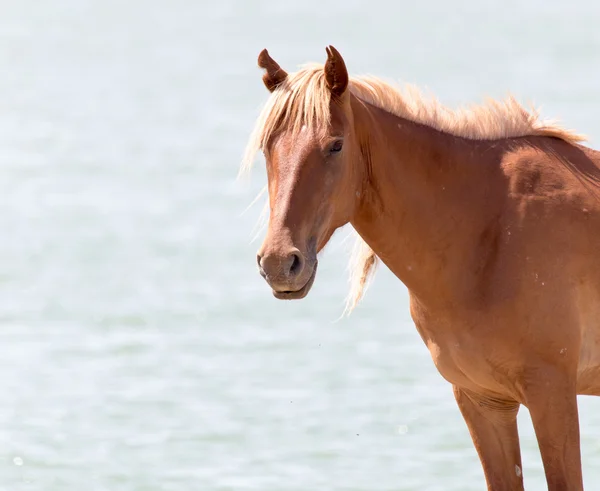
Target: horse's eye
336	147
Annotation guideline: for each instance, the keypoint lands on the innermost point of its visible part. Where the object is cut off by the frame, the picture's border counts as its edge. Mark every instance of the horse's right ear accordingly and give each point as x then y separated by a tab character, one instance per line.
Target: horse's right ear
274	74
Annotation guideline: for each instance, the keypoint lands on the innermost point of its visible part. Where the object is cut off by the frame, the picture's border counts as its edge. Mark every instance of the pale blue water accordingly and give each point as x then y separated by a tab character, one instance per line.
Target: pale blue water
139	348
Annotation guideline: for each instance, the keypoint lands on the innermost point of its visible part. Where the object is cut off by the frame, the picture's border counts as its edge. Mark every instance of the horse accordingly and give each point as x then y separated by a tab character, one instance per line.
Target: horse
489	215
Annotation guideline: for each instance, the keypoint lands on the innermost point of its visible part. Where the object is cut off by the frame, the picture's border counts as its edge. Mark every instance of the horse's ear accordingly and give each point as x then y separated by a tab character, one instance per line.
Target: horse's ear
336	74
274	74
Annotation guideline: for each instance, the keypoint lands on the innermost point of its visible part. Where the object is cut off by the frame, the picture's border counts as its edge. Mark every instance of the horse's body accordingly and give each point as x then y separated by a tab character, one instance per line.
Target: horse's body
492	224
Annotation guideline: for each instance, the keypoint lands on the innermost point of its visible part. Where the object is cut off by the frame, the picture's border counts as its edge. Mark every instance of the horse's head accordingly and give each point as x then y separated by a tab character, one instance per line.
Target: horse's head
307	135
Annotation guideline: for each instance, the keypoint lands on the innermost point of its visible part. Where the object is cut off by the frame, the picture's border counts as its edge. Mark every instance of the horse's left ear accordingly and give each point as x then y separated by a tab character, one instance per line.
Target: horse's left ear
336	74
274	74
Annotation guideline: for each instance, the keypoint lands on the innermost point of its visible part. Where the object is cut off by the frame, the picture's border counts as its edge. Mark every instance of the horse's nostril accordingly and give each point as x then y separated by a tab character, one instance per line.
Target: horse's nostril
261	269
296	266
280	267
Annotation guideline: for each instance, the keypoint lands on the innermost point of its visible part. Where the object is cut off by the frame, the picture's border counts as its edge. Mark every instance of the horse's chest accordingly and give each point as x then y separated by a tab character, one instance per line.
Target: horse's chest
445	361
466	361
448	352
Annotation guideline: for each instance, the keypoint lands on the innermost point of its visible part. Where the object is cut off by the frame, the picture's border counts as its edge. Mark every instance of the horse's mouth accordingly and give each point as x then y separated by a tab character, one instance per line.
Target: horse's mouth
297	294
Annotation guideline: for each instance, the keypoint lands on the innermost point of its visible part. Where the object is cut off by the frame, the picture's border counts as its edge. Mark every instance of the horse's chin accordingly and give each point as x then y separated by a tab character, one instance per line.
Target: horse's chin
297	294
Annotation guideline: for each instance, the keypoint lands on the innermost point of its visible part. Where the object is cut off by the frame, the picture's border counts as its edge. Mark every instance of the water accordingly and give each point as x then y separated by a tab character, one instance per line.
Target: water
140	350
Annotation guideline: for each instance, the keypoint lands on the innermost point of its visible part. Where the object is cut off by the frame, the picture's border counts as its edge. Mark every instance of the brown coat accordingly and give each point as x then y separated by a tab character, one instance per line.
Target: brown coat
491	218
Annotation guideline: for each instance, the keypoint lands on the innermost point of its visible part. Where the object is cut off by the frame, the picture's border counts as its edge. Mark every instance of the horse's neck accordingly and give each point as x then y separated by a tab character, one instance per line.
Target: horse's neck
428	199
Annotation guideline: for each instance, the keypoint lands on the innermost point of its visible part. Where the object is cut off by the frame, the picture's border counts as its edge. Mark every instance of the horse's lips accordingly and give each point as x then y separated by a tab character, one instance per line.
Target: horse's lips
297	294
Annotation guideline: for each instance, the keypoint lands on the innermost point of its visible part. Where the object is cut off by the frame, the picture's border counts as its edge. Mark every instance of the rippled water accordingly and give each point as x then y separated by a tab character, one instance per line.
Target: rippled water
140	350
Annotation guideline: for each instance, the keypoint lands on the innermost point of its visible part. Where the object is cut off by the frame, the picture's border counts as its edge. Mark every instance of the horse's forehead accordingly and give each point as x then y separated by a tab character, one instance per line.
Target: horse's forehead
297	143
305	136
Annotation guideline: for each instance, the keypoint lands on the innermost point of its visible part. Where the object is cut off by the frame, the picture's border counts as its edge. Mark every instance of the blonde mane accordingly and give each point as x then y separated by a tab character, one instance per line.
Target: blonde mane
303	100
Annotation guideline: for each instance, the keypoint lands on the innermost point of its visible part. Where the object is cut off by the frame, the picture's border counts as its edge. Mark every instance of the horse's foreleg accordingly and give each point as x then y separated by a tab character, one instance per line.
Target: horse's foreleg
493	427
552	402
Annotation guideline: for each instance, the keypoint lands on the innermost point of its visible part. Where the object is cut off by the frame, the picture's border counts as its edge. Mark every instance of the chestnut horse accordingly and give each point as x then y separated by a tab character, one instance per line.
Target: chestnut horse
489	216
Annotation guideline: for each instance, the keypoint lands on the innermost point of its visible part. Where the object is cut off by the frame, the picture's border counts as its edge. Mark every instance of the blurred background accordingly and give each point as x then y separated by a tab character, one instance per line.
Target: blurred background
139	347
